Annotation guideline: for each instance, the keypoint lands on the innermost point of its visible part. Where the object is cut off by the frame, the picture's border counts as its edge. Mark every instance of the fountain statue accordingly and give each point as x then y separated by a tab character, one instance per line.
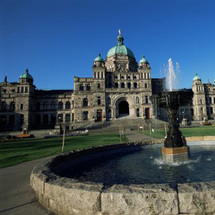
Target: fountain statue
175	147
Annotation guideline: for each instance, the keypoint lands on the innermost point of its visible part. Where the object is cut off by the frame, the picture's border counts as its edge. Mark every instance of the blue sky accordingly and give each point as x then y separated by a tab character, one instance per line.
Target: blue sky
59	39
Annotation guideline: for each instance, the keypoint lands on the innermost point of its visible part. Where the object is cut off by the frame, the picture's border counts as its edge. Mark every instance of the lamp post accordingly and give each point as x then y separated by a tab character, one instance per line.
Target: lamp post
62	127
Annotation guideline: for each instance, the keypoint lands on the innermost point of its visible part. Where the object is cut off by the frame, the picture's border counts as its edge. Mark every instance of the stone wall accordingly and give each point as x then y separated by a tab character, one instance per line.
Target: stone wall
71	197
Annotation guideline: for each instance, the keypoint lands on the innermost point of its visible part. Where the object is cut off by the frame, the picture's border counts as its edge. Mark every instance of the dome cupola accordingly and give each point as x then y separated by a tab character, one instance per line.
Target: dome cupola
26	78
99	58
143	60
120	49
98	61
196	78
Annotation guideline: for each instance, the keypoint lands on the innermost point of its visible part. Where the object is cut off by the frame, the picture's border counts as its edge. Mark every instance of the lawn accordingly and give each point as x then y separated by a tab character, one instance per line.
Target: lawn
187	132
19	151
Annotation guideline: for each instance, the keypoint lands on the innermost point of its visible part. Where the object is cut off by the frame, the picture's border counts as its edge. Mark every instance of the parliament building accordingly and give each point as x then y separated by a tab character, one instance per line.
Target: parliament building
119	87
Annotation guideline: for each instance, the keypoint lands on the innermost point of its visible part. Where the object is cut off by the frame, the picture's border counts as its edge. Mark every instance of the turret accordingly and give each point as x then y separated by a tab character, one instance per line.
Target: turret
26	78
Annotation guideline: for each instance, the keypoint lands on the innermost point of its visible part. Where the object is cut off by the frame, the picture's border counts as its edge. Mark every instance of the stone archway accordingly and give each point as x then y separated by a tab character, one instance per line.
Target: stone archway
123	108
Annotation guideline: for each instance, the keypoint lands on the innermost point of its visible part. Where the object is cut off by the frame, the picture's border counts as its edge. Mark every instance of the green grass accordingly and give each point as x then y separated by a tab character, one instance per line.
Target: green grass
19	151
187	132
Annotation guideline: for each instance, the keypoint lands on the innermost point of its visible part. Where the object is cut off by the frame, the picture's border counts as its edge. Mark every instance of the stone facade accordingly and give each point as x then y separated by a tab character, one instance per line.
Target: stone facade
119	87
203	99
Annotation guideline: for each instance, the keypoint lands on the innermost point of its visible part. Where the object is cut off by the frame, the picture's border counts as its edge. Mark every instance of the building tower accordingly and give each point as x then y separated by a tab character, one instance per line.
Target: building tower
199	100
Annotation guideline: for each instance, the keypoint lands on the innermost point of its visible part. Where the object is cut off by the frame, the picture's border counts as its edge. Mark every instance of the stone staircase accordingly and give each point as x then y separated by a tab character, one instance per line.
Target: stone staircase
123	123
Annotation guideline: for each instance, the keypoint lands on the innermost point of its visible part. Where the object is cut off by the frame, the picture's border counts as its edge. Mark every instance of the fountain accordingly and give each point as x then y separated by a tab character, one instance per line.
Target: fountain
128	178
175	147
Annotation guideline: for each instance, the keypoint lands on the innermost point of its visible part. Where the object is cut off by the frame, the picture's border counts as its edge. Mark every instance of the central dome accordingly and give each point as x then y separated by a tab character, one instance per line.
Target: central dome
120	48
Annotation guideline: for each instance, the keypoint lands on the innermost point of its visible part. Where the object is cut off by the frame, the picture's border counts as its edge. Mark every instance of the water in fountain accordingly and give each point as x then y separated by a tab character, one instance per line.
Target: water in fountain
147	166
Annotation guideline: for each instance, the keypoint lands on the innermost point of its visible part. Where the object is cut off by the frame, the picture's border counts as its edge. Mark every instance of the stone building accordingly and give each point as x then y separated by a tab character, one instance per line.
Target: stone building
203	99
119	87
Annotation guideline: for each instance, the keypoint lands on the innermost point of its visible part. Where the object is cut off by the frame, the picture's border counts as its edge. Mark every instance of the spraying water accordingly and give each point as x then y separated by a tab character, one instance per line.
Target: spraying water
171	75
171	78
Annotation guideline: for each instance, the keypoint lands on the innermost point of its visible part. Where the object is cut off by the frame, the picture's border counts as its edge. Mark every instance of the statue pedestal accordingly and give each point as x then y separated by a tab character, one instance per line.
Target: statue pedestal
175	154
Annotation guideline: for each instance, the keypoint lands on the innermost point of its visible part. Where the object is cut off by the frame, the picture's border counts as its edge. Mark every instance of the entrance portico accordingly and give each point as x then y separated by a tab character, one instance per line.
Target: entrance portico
124	107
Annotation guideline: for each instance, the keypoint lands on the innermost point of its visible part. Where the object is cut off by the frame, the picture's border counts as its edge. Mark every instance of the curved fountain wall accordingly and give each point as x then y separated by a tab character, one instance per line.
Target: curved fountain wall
71	197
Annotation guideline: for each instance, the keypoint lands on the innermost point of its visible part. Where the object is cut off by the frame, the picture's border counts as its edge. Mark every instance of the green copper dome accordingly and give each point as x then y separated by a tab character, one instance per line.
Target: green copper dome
26	75
196	78
120	48
143	60
99	58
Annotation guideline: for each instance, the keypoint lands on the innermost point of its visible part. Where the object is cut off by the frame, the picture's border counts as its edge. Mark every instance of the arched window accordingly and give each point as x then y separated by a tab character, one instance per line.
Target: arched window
145	85
12	106
122	85
122	77
135	85
134	77
85	102
129	85
60	105
137	100
116	85
128	77
67	105
98	86
53	106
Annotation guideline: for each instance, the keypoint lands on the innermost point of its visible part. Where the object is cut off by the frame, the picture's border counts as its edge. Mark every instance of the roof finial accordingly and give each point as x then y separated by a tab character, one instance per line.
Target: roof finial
26	71
119	32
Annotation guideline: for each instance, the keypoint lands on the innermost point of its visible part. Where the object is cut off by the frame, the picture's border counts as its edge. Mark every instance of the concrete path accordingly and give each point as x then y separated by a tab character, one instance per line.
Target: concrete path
16	194
134	136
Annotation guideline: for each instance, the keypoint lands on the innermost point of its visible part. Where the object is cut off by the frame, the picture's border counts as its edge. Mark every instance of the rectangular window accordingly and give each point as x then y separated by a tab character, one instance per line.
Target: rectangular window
73	116
67	117
53	118
3	119
17	89
99	100
85	115
21	106
211	109
11	119
60	118
22	89
21	120
146	100
26	89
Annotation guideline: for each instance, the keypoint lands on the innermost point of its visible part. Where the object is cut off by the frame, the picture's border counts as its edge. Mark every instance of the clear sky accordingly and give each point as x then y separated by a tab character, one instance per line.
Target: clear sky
59	39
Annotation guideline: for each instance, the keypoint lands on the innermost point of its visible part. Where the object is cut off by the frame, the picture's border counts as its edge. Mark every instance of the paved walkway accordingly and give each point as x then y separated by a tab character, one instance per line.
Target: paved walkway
16	194
134	136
